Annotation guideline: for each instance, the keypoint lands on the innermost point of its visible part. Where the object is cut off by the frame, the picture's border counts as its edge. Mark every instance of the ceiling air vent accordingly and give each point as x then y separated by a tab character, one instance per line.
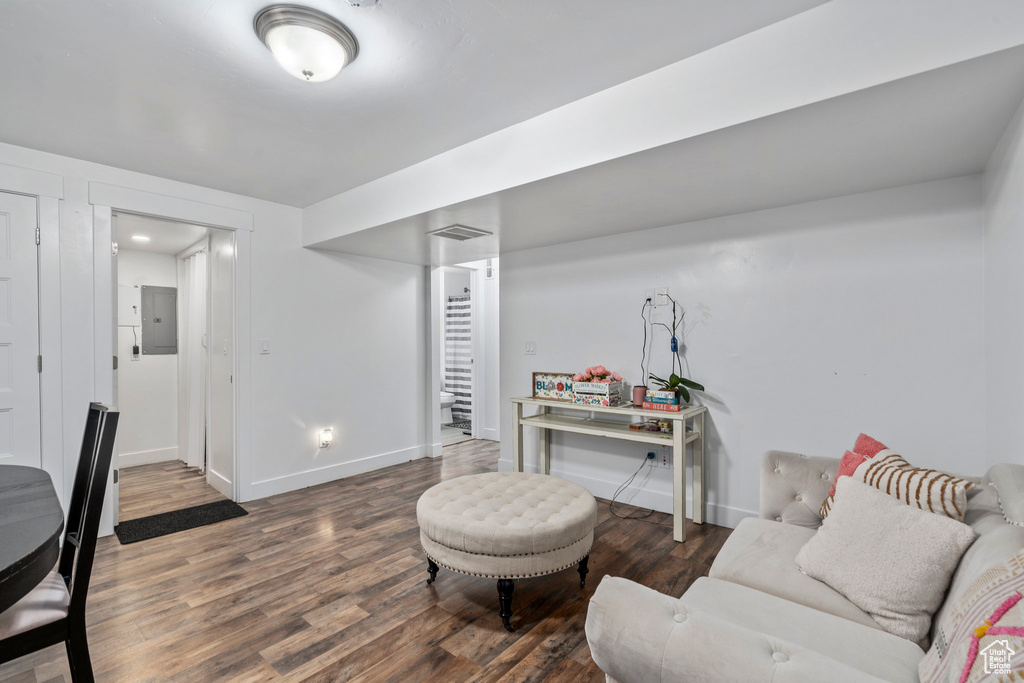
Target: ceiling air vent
459	232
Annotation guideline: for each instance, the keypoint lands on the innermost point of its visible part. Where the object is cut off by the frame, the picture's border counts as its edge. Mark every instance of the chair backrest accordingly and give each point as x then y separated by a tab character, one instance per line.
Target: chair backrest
86	456
80	539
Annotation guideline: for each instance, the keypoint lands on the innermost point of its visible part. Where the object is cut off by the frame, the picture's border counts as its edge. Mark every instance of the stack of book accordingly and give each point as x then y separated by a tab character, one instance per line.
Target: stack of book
597	393
666	401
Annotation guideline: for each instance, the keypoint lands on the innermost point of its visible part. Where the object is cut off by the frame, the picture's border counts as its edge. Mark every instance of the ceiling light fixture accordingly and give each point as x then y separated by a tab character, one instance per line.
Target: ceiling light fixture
139	238
308	44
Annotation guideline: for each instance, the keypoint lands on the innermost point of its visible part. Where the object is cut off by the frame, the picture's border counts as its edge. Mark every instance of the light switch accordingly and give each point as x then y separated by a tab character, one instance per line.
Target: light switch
531	348
264	347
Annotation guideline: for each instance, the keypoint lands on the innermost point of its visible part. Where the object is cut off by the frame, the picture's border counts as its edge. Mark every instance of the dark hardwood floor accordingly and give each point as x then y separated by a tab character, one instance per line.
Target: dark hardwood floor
162	487
328	584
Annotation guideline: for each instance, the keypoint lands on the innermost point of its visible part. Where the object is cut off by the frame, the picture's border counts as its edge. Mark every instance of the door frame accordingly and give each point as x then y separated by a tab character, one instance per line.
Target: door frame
105	200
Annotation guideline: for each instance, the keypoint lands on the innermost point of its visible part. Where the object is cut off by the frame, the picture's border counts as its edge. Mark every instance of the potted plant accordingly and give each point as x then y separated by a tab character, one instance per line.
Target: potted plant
677	384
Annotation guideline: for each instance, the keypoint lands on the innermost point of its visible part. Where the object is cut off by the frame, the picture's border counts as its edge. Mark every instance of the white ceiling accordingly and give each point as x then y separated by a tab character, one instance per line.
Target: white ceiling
940	124
184	89
165	237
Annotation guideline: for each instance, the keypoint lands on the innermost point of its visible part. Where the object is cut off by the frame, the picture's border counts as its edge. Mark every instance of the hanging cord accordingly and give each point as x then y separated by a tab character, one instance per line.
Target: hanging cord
643	356
611	503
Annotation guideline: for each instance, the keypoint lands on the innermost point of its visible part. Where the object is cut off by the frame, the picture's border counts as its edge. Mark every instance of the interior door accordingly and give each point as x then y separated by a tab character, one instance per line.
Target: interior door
19	332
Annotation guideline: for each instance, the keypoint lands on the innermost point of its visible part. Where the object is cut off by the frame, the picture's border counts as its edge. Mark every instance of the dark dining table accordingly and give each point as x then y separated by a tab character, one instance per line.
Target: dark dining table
31	521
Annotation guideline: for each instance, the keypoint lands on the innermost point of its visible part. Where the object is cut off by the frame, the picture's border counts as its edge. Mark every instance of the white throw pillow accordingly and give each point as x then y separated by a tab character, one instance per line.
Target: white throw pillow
892	560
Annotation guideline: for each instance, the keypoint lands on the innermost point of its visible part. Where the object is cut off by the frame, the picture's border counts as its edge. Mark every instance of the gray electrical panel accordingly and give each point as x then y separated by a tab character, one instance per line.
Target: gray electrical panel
159	320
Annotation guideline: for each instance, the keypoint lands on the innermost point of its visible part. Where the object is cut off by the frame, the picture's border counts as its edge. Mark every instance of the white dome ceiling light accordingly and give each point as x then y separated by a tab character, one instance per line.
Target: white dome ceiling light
308	44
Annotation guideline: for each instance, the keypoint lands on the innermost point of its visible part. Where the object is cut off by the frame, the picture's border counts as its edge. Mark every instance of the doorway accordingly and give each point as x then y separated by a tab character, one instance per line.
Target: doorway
173	382
466	353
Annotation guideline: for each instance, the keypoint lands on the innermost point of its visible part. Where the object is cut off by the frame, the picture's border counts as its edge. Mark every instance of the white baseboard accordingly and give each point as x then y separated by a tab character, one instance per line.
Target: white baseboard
489	433
147	457
219	482
721	515
437	450
301	480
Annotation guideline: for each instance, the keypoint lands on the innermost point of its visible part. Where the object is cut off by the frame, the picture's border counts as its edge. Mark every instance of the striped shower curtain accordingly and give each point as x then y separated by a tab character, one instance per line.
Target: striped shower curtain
458	356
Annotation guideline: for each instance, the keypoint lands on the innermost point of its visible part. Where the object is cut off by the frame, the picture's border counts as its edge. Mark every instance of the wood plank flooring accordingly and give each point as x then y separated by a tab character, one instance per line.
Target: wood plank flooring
163	487
328	584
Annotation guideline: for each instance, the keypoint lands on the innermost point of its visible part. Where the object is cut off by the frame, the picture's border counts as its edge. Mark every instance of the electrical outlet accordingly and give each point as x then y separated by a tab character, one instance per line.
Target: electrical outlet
649	296
665	459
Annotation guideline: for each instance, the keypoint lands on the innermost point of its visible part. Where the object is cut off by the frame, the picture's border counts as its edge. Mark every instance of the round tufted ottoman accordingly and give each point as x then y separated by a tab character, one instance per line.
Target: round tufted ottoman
505	526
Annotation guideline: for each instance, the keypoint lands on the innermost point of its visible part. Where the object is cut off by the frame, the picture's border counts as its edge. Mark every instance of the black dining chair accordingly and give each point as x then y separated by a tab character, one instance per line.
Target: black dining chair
54	611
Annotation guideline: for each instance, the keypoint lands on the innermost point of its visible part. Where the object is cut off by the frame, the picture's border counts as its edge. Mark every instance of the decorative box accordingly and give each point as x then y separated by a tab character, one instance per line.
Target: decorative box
556	386
597	388
592	400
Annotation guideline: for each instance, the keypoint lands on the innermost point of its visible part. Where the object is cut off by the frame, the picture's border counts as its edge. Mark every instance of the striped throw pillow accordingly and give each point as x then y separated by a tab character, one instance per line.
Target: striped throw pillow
926	489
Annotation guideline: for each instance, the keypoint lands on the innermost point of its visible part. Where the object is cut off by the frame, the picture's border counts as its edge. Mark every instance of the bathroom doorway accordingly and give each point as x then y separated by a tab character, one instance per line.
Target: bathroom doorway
466	296
457	357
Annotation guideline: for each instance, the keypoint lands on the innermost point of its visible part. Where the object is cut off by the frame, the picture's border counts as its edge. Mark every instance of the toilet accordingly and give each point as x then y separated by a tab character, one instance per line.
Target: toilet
447	401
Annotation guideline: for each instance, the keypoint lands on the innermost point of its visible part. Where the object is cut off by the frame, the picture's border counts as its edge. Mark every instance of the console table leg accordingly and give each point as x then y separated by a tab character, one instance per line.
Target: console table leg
679	485
698	471
517	437
583	570
545	460
505	589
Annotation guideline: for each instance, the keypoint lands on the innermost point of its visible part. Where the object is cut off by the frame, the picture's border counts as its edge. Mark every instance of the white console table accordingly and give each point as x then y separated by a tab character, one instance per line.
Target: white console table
687	427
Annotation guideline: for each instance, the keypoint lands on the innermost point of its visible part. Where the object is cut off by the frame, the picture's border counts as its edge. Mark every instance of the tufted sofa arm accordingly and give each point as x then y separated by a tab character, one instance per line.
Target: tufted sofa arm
638	635
794	486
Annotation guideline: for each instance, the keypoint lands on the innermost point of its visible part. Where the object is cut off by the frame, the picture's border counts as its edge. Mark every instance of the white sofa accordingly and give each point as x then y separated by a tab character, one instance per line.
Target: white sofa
756	617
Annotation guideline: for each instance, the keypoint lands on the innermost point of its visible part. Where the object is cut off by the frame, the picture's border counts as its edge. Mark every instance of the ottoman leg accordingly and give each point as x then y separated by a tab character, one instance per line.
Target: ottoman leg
582	569
505	589
432	568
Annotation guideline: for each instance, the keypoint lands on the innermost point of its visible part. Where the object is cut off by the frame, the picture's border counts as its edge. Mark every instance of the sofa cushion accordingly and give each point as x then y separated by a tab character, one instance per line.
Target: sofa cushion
892	560
793	486
761	554
870	650
930	490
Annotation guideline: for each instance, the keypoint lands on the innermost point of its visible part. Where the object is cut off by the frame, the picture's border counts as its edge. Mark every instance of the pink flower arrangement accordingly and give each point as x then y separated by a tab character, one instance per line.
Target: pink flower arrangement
597	373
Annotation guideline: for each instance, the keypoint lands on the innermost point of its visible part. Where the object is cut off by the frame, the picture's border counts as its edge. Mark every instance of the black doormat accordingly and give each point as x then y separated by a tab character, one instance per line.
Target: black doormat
133	530
464	425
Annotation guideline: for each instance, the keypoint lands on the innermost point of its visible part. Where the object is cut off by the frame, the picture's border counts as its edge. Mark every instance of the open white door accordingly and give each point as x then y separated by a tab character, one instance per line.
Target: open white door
19	332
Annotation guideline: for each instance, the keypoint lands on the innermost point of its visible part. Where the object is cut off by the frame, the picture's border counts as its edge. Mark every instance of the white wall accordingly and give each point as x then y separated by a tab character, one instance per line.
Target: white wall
808	324
1004	285
148	387
339	328
342	329
221	338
